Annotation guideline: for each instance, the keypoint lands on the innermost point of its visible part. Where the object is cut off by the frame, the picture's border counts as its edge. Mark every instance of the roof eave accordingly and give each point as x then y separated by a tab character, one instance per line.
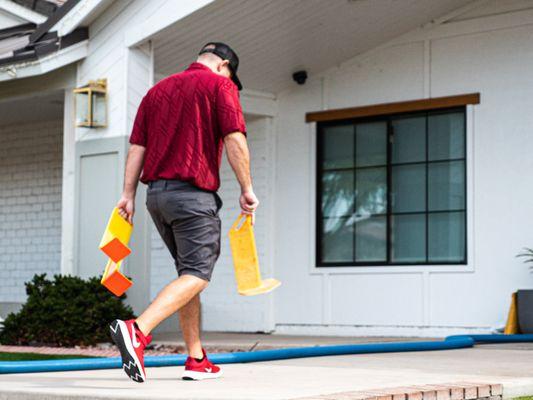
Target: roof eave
45	64
22	12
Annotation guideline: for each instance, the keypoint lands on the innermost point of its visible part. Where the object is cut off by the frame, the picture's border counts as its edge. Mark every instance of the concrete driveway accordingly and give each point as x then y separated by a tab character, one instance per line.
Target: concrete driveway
329	377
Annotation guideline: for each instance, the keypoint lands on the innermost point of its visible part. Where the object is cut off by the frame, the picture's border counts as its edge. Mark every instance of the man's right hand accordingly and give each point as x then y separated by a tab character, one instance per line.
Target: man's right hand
126	207
249	203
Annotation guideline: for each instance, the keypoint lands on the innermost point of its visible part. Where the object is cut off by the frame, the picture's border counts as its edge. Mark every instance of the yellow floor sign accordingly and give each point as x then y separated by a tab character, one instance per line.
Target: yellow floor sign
114	244
115	240
245	260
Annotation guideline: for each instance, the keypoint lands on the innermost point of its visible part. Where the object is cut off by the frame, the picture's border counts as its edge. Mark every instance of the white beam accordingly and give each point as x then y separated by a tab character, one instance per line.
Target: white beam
81	12
456	13
22	12
259	103
169	13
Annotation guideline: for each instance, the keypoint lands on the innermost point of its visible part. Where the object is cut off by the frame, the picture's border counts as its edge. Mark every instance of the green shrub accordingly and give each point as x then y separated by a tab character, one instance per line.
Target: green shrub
65	311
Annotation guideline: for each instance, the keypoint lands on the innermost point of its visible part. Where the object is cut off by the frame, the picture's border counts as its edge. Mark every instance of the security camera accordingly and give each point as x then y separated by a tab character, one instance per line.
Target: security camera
300	77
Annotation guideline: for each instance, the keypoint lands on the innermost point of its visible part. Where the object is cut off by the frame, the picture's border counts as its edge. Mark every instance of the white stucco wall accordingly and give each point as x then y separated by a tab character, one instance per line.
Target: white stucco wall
490	55
30	204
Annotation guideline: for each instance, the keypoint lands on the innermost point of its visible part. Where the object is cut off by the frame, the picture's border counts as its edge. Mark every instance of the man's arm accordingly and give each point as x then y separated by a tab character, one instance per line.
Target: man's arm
239	159
134	165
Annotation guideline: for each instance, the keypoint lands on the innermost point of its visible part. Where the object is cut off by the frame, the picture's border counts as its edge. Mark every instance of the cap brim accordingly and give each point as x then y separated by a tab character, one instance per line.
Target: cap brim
237	81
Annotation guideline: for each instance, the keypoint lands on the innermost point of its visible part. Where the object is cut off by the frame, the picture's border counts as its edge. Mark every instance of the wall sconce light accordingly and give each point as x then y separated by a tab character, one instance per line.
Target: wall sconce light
91	104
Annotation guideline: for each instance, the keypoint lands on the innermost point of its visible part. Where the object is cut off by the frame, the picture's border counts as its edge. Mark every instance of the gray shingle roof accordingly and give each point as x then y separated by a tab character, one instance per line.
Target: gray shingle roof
29	42
44	7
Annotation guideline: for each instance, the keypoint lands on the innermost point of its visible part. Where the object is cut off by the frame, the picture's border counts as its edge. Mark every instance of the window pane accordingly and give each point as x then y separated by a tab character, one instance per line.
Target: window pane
338	149
446	185
371	144
408	191
371	239
337	240
446	237
409	140
337	193
408	238
371	191
446	136
82	108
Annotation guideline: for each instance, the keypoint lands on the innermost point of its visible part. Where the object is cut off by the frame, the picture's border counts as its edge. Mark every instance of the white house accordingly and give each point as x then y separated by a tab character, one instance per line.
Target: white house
394	182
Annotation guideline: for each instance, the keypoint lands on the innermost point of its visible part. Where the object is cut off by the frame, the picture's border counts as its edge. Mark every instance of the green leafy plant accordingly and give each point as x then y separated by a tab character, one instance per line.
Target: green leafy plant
65	311
527	253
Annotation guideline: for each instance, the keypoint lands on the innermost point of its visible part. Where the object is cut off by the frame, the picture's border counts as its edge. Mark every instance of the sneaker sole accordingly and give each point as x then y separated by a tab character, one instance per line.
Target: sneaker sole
130	361
200	376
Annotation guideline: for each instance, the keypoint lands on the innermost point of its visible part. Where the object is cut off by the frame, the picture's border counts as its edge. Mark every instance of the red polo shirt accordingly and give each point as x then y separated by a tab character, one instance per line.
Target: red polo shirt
182	120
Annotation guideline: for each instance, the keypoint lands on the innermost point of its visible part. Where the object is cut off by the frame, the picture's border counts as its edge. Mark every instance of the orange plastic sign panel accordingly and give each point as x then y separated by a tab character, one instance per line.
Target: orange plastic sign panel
117	234
245	260
114	280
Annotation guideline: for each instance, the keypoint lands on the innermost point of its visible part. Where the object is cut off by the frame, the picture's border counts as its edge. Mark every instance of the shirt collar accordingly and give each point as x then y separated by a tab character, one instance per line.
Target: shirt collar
197	65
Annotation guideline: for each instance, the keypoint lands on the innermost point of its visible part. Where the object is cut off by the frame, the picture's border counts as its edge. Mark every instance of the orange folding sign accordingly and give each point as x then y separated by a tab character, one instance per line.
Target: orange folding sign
114	280
245	260
114	244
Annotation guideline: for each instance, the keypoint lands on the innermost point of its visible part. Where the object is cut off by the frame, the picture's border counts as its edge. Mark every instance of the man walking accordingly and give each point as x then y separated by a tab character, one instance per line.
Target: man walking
177	139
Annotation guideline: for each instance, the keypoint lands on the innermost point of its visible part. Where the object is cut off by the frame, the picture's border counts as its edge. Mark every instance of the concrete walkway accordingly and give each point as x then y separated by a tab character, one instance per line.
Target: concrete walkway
223	341
214	342
510	365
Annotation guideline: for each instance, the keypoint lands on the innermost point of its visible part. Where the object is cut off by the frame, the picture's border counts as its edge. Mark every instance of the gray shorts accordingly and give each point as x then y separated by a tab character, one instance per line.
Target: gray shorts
188	222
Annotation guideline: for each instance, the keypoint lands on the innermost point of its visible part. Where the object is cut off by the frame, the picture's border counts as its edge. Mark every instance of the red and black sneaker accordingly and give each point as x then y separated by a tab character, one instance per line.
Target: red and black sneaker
199	370
131	343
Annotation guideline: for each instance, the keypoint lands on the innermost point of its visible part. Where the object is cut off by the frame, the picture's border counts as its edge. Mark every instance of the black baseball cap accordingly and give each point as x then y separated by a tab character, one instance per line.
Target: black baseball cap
226	53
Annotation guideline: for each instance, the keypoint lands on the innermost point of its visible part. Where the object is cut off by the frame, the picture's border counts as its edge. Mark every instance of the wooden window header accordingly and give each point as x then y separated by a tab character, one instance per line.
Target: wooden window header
393	108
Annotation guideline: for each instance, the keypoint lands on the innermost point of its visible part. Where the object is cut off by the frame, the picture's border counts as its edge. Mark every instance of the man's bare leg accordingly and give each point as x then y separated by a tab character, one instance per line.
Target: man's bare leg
174	296
190	326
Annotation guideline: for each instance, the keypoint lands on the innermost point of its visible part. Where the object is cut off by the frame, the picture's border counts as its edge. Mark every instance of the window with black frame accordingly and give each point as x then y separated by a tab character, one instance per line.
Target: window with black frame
392	190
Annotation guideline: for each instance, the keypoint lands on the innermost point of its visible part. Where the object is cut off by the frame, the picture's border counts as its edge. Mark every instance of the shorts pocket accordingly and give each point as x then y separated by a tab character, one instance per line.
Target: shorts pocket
181	205
218	202
150	199
208	203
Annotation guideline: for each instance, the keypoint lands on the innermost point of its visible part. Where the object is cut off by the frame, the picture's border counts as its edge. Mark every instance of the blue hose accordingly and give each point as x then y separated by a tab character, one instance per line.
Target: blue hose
451	342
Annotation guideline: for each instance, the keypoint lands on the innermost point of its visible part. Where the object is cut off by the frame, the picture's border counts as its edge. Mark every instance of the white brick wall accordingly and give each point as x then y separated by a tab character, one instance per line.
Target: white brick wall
162	265
30	204
223	308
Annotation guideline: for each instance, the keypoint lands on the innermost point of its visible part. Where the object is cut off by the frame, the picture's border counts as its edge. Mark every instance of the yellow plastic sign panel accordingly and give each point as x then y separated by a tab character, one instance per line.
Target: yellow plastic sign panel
245	260
116	236
114	244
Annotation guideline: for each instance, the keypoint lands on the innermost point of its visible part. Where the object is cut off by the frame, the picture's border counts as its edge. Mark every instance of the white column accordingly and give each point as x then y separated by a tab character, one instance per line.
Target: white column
139	78
68	188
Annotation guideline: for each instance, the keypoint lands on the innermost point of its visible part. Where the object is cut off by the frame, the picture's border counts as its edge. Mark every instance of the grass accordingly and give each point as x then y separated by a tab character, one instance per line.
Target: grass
524	398
34	356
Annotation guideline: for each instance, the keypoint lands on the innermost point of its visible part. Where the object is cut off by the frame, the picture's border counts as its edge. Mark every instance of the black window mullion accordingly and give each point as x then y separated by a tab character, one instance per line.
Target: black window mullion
465	254
354	207
390	139
319	194
429	212
421	162
427	189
